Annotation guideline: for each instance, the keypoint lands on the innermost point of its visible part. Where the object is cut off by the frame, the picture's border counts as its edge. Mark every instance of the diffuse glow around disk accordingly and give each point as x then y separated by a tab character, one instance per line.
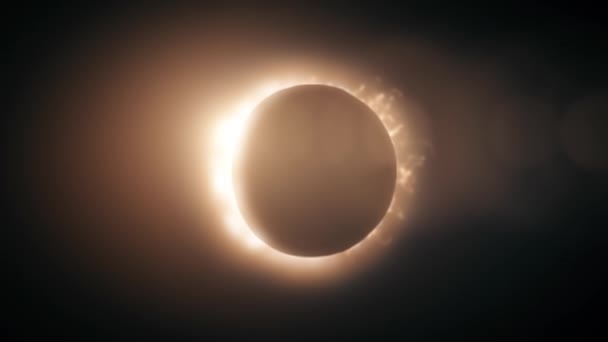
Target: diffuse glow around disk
226	137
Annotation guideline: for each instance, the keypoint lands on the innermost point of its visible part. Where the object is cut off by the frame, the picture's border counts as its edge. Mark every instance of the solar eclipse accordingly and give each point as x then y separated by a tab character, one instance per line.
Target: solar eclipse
289	178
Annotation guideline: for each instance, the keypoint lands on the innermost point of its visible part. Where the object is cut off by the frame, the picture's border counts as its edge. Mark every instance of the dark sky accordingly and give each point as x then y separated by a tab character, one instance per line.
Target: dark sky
506	239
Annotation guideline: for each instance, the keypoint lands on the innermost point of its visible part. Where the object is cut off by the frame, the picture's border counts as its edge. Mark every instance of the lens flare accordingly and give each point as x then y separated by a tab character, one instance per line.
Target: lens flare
226	137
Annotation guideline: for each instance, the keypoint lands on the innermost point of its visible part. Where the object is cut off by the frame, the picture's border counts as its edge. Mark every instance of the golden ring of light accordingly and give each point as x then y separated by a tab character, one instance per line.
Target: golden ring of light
226	139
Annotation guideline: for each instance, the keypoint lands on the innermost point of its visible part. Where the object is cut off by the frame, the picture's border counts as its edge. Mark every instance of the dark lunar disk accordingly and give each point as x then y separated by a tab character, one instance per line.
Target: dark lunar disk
315	172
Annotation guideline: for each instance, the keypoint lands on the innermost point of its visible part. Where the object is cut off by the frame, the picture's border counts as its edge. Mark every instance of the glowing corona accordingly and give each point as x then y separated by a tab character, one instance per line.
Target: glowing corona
226	139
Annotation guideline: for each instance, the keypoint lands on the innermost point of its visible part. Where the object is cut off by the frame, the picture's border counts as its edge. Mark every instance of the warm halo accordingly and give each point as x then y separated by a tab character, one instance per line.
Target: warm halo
226	138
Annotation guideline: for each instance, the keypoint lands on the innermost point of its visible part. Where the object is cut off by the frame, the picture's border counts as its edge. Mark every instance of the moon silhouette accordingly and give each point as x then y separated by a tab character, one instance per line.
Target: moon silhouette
315	170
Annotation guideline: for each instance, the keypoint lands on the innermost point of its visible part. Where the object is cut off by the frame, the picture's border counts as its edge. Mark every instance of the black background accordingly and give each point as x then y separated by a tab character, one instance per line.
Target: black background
474	275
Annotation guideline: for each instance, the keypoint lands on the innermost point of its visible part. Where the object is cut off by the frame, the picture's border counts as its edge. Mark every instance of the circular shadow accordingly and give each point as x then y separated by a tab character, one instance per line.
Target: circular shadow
315	172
